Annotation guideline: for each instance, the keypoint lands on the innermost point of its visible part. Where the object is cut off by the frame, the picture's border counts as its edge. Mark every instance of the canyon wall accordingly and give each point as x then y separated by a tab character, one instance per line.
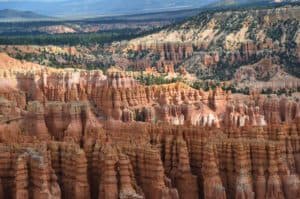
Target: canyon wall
83	134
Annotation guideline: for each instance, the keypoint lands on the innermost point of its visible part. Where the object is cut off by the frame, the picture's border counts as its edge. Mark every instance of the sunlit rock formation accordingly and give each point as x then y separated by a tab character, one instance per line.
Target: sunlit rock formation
83	134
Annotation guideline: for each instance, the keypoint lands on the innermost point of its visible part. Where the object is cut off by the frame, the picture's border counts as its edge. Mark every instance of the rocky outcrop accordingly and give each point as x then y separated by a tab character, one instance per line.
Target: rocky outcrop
239	115
174	52
163	56
30	175
34	121
278	110
70	165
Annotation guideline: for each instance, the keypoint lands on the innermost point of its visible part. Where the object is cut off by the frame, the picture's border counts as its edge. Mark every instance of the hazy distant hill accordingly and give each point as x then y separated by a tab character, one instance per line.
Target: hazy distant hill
95	8
12	15
221	3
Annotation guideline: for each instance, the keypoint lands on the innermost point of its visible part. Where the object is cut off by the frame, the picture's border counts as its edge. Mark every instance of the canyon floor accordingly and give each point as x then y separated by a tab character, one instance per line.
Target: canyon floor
204	108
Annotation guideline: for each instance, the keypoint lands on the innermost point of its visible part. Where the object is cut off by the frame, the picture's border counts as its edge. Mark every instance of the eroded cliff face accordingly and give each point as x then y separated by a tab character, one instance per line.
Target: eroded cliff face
164	162
83	134
225	41
163	55
62	100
